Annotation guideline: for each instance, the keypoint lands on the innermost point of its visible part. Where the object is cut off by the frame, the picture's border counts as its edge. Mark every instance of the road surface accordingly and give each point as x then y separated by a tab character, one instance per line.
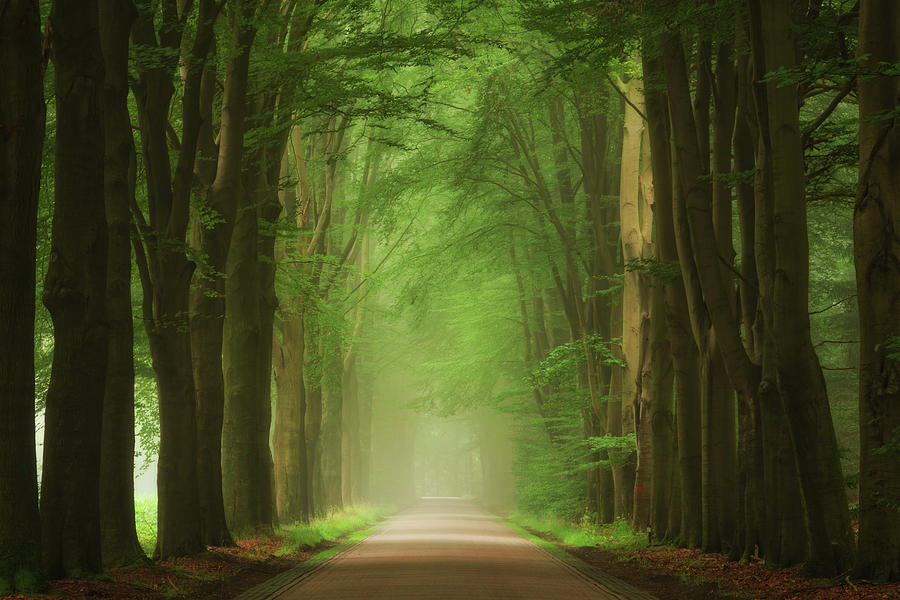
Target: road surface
447	548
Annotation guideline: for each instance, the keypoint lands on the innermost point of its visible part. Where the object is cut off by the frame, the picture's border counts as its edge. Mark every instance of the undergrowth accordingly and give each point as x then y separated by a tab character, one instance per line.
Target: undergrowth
145	521
609	536
302	535
296	536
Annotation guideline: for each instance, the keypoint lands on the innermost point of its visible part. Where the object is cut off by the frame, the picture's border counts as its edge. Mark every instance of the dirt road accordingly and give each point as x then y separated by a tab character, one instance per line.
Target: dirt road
446	548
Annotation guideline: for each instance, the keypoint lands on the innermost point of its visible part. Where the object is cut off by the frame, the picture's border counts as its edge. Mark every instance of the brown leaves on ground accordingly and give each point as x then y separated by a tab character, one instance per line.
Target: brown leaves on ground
218	574
683	574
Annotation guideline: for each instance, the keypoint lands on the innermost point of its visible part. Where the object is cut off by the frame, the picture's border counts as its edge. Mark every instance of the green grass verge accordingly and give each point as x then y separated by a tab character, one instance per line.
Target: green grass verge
357	519
609	536
326	529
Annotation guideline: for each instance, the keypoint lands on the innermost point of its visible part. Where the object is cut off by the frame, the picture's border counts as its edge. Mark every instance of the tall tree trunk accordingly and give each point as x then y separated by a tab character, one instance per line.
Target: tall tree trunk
876	252
749	539
332	425
291	476
364	464
289	445
683	348
163	265
349	433
208	289
22	116
661	418
800	379
718	451
270	210
725	411
635	303
783	539
119	536
75	295
246	459
709	291
313	429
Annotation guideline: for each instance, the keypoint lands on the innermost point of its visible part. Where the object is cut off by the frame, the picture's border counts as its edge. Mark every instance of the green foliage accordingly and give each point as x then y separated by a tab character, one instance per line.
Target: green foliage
145	521
661	272
618	535
305	536
564	363
893	446
611	442
543	485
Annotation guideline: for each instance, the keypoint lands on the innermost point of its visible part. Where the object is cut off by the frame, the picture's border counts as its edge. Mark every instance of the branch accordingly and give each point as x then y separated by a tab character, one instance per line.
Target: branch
823	342
172	135
830	306
625	98
827	113
144	271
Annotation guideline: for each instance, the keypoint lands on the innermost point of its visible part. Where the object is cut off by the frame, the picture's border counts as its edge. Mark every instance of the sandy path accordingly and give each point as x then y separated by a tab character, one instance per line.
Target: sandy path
445	548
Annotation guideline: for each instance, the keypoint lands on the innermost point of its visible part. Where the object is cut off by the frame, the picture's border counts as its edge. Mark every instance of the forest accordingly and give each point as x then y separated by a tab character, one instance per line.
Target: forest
605	261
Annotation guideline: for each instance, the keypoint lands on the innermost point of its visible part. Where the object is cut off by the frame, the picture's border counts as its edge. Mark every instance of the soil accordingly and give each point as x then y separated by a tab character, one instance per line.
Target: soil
659	582
683	574
218	574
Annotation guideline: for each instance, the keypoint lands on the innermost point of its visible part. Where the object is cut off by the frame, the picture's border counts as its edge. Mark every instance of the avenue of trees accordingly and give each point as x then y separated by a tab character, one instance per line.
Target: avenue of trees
607	259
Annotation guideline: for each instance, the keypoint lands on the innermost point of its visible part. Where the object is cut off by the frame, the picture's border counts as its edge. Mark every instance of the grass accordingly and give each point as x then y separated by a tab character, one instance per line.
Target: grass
330	528
145	521
297	536
609	536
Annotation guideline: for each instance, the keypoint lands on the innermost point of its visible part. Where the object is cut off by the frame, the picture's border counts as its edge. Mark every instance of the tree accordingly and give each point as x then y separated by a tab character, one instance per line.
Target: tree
22	115
220	171
120	544
800	380
877	259
75	295
160	252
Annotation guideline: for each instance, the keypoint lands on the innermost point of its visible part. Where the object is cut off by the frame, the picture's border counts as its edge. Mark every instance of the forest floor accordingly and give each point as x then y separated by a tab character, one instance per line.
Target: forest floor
220	573
671	573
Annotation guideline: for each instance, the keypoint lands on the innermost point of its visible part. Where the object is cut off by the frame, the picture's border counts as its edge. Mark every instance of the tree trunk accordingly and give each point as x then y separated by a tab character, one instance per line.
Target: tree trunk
245	433
164	267
75	295
878	284
332	426
800	379
313	382
208	289
22	116
749	539
291	474
349	432
119	536
364	464
683	348
708	287
783	537
635	302
661	418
